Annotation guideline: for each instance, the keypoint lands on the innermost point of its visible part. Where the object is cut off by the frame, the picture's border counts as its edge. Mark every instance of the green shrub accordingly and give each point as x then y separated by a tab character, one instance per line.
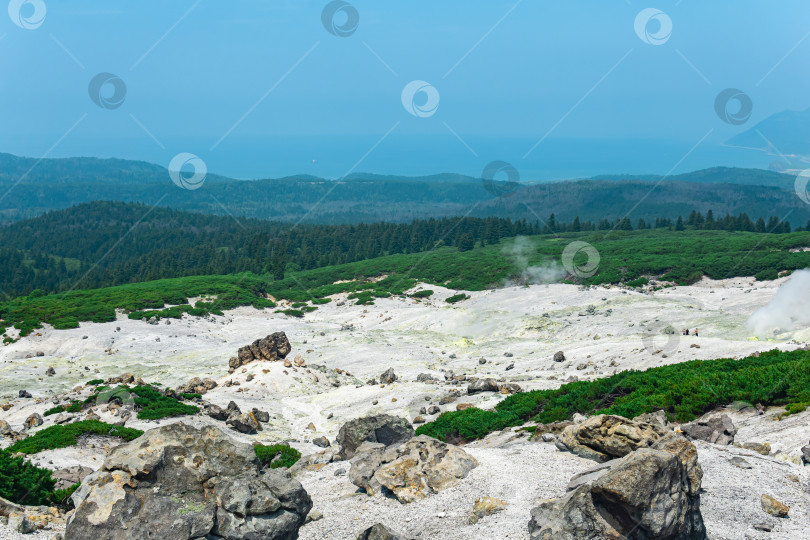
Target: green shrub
153	405
422	294
685	391
266	454
62	436
22	482
190	396
457	298
54	410
291	312
61	497
94	382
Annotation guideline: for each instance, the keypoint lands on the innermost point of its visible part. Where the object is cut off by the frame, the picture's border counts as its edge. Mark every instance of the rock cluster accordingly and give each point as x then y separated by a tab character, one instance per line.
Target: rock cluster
412	470
276	346
383	429
713	428
607	437
651	493
249	422
196	386
180	482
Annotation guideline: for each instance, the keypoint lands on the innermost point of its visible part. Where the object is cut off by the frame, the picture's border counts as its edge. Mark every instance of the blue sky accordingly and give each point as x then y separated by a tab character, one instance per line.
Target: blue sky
293	98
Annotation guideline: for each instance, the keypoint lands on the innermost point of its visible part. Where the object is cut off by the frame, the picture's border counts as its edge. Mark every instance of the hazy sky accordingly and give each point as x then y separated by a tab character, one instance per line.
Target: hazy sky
262	89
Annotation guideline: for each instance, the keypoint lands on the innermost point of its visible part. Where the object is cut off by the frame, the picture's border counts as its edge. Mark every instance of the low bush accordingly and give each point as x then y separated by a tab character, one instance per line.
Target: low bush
685	391
22	482
457	298
422	294
62	436
287	455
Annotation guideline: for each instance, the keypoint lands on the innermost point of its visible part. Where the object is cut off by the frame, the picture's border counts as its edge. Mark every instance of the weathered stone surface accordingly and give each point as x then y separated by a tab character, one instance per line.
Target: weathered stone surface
19	522
774	507
411	471
379	531
559	356
509	388
607	437
388	376
197	386
323	442
384	428
713	428
485	506
806	454
482	385
658	418
648	494
217	413
244	423
5	428
276	346
33	421
181	482
760	448
70	475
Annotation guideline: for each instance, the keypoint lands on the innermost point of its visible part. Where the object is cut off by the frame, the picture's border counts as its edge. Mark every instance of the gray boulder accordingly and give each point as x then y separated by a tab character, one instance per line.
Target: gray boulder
806	454
605	437
383	428
181	482
651	493
388	376
559	356
274	347
244	423
411	471
716	429
482	385
379	531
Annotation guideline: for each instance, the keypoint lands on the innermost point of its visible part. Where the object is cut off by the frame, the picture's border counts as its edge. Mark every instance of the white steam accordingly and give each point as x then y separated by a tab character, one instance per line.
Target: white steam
520	250
788	310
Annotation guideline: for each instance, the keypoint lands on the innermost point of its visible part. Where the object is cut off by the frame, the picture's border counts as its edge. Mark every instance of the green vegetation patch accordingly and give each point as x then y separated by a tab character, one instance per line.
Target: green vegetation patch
457	298
22	482
685	391
422	294
287	456
62	436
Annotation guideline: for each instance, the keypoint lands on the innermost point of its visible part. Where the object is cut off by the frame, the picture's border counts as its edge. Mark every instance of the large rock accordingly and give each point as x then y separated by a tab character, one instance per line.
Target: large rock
648	494
181	482
713	428
379	531
411	471
33	421
805	454
244	423
607	437
383	428
388	376
482	385
276	346
70	476
197	386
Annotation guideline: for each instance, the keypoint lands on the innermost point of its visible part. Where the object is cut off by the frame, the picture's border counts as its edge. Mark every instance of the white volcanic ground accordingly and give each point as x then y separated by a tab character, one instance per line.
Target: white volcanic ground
523	326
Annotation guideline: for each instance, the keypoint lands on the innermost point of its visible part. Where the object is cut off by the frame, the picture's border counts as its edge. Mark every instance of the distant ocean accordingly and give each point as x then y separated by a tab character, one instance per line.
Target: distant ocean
409	155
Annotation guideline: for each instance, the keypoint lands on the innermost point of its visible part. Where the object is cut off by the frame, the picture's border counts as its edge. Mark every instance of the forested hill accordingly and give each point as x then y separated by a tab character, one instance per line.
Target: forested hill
31	187
110	243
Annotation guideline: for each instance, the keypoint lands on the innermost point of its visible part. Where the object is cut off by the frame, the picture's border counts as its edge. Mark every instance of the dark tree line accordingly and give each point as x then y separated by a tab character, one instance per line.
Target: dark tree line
106	243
